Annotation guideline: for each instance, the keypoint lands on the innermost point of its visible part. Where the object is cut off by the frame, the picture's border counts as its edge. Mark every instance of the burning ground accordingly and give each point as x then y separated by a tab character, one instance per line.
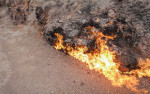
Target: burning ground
104	49
106	42
111	38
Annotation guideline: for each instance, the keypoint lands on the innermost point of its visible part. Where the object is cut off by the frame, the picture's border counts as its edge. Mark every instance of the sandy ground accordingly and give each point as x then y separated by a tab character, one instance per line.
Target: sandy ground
28	65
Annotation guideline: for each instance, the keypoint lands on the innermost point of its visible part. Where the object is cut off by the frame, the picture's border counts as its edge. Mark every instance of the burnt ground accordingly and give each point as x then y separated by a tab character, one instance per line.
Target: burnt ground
29	65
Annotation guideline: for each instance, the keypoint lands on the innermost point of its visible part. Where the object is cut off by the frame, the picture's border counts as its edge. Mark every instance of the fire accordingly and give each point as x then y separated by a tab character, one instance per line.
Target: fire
59	41
145	68
102	61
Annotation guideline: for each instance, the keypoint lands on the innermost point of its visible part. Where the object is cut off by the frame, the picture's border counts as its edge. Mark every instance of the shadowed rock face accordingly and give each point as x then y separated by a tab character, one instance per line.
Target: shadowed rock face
130	25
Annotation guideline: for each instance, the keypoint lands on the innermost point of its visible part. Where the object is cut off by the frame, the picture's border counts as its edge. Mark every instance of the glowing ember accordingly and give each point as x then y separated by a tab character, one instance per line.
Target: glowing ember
102	60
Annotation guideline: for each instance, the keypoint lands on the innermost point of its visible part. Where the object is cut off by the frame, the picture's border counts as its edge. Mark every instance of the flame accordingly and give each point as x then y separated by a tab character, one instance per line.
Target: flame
102	61
59	42
144	68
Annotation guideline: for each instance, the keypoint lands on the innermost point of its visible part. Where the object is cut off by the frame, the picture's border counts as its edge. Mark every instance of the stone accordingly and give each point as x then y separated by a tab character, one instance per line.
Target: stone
144	48
79	12
67	41
81	84
111	13
73	33
103	21
129	60
82	42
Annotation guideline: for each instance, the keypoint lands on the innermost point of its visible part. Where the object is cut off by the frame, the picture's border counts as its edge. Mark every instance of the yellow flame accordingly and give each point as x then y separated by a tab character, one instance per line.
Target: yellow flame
102	60
58	44
144	68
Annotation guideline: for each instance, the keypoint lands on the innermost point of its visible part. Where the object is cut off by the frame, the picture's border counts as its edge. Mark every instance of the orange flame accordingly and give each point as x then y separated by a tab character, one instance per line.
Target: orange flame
102	60
58	44
144	68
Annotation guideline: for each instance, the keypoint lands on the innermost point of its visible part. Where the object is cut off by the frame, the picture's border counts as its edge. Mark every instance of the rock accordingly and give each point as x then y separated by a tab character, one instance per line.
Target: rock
144	47
82	42
60	21
73	33
67	41
83	21
111	13
81	84
39	14
103	21
129	60
67	25
90	44
79	12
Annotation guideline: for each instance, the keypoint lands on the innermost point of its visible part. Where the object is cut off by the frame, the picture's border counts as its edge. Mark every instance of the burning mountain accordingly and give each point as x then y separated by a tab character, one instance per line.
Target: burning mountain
108	45
97	47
